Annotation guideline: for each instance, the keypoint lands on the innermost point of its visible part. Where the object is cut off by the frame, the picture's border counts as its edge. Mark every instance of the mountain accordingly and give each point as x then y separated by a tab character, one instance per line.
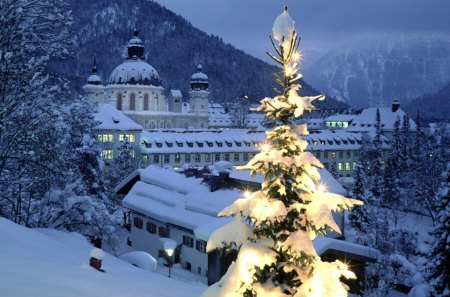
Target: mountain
434	107
374	72
172	45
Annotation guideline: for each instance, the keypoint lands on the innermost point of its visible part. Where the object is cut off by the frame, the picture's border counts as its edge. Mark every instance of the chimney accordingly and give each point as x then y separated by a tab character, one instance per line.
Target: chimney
395	105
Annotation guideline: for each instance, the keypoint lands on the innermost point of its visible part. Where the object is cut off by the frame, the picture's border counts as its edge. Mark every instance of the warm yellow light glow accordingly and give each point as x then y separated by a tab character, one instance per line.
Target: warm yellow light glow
296	57
344	266
169	252
265	148
322	188
265	201
289	71
246	193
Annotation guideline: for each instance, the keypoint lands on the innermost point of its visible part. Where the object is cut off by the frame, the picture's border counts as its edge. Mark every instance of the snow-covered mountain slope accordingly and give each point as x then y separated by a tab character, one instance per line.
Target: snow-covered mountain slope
50	263
373	72
432	107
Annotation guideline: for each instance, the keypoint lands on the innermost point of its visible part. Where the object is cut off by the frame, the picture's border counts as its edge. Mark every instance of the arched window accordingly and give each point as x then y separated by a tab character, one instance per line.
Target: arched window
146	102
119	101
133	101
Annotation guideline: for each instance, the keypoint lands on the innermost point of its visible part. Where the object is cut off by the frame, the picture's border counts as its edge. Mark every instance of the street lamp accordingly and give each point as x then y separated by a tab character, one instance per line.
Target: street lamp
169	252
169	247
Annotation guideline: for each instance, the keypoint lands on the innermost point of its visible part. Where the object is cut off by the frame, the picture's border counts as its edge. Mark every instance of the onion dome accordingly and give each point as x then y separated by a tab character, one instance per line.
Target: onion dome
199	80
135	71
94	78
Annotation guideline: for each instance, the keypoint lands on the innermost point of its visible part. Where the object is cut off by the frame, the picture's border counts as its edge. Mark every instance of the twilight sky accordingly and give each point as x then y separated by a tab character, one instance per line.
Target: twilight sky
322	24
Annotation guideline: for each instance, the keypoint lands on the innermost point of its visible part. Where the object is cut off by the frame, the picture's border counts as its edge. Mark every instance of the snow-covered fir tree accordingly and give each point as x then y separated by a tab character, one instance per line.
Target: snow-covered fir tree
273	228
359	217
50	169
376	164
438	267
30	120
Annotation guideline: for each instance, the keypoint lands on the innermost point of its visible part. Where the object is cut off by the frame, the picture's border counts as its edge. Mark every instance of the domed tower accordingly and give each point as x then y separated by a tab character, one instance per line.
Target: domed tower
94	88
199	93
135	88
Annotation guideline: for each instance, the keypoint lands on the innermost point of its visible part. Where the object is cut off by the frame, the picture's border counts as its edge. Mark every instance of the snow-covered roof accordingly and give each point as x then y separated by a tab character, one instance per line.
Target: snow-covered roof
330	183
112	119
366	120
172	198
94	79
340	118
180	140
176	93
199	76
324	244
135	72
240	140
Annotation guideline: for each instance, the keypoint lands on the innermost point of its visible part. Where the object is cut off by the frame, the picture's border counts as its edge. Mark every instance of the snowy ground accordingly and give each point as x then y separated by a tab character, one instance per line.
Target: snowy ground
49	263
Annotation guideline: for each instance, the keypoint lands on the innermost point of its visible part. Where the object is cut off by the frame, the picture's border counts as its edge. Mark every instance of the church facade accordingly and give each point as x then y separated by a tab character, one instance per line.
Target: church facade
135	88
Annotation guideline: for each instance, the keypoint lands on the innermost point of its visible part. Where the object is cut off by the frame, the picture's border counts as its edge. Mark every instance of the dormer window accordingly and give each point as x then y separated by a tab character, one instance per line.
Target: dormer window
190	144
219	144
200	144
159	144
229	144
179	144
169	144
210	144
239	144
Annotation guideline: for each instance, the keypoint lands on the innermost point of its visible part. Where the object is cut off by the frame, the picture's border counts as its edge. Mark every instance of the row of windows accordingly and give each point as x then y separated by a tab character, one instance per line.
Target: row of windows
151	227
337	124
110	137
197	158
342	166
119	103
200	144
334	154
331	142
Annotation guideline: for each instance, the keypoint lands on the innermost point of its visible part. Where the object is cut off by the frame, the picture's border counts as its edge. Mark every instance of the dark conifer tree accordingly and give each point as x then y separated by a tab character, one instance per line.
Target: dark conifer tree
438	267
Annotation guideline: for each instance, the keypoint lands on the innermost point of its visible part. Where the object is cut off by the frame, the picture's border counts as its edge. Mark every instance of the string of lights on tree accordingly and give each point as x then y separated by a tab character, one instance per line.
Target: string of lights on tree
273	228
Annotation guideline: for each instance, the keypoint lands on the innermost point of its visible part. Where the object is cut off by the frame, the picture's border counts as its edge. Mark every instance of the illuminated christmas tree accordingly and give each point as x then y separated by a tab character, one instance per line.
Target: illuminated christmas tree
273	228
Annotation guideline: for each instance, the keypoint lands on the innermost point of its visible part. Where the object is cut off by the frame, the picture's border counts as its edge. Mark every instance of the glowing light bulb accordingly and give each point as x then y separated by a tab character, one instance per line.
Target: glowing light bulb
289	70
296	57
322	188
265	148
247	193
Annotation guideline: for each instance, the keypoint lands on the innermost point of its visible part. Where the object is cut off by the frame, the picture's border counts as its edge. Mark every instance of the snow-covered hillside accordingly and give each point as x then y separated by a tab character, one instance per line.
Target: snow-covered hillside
50	263
374	72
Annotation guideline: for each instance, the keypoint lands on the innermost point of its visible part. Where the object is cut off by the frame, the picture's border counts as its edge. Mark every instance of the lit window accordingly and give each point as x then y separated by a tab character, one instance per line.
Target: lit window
107	154
354	165
207	158
129	137
347	166
340	166
177	158
229	144
333	155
